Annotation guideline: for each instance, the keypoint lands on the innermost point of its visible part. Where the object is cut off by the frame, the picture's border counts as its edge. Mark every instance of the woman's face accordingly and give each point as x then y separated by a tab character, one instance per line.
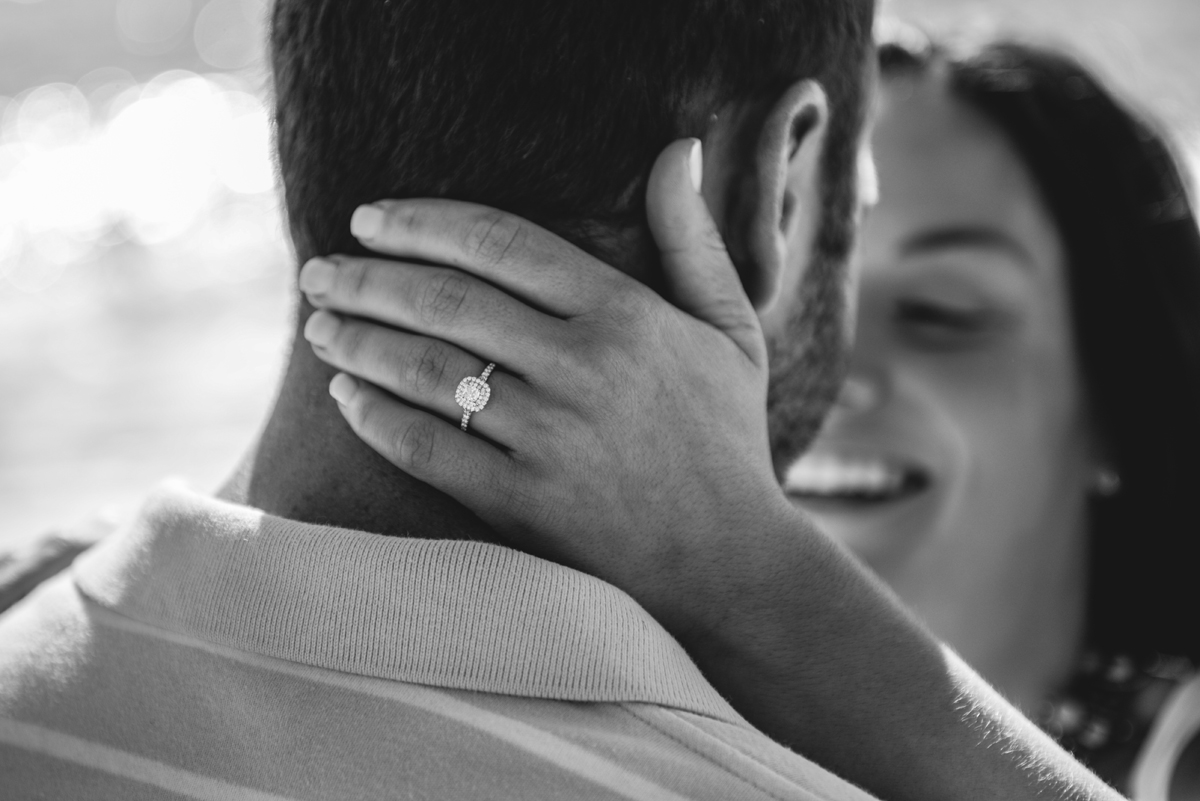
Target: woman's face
957	460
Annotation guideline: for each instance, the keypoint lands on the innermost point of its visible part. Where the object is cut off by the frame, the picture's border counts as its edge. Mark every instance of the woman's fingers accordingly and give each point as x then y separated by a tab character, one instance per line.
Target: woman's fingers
424	446
436	302
701	276
508	251
419	370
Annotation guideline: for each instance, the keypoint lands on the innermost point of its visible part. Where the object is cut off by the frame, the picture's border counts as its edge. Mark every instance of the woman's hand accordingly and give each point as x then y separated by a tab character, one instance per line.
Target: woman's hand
623	435
627	437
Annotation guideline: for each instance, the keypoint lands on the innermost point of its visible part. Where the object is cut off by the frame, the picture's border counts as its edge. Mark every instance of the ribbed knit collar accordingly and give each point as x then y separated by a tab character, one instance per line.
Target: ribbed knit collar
461	615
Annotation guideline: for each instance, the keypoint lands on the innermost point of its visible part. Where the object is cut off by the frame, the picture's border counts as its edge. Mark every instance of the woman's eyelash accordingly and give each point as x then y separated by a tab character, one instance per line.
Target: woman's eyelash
936	314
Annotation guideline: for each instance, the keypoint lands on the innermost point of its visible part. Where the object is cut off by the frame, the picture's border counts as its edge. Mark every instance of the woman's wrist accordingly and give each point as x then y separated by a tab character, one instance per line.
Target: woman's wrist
724	580
817	653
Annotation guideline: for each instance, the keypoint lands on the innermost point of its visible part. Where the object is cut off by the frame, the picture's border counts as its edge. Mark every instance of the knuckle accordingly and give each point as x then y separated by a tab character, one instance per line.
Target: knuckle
740	327
519	503
711	243
427	370
602	358
600	370
356	278
365	416
629	308
350	341
543	437
626	323
399	219
414	444
442	298
492	236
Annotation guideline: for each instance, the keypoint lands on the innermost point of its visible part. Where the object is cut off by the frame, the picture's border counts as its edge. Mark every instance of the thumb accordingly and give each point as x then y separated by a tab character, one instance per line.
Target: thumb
699	273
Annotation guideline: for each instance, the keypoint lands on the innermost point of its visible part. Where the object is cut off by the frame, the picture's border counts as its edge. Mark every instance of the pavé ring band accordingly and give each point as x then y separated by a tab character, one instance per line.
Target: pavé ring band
473	393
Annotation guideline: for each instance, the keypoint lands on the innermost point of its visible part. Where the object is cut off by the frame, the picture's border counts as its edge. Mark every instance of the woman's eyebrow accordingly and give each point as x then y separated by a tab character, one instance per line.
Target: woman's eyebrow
967	236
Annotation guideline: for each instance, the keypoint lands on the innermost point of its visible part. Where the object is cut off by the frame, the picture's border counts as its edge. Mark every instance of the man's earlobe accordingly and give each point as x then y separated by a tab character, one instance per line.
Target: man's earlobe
786	208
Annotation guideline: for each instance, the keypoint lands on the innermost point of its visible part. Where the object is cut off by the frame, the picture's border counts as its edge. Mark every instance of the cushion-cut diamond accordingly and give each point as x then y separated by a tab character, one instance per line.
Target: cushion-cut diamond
472	394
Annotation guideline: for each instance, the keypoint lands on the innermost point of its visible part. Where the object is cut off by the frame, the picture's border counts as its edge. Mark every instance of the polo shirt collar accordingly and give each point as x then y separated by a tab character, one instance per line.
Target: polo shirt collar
452	614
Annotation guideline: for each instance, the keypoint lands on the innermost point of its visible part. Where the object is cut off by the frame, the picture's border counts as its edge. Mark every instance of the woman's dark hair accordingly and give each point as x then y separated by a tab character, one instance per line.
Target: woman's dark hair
1133	248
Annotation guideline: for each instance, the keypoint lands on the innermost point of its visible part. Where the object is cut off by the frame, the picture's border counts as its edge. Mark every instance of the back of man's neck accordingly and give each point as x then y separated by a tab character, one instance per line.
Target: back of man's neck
308	465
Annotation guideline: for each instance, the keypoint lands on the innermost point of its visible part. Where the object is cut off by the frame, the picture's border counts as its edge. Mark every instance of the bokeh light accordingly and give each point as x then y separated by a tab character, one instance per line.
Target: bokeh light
147	163
144	286
152	26
226	33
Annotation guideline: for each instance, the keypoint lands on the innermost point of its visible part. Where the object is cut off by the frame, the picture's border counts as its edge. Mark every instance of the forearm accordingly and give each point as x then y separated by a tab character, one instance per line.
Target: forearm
815	652
638	452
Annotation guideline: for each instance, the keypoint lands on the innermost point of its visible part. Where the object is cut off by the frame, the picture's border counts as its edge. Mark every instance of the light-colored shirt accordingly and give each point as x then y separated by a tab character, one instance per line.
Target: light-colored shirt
208	650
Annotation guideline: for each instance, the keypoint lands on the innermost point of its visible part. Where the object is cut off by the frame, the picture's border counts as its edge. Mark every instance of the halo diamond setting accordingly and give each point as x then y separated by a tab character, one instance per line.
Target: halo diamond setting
473	393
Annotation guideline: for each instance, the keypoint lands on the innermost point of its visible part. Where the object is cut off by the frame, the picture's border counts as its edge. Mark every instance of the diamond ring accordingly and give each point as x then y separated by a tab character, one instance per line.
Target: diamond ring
473	393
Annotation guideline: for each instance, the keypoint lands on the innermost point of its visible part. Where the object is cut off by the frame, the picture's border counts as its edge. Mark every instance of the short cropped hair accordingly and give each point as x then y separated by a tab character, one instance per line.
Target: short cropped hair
551	109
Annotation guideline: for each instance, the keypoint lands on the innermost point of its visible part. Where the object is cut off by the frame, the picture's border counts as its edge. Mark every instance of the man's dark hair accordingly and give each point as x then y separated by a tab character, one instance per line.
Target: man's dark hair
552	109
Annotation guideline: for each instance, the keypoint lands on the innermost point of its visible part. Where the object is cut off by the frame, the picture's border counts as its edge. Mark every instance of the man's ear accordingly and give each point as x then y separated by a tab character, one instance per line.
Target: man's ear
784	194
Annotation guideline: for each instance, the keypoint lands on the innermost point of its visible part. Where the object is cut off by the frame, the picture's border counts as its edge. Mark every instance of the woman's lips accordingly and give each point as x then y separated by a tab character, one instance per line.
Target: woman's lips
854	480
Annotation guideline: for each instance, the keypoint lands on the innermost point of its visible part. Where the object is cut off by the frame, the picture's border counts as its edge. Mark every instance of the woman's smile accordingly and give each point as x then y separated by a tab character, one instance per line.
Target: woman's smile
854	483
955	462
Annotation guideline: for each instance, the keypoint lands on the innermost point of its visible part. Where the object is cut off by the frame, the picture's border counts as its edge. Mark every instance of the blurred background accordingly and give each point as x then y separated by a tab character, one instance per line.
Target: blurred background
144	274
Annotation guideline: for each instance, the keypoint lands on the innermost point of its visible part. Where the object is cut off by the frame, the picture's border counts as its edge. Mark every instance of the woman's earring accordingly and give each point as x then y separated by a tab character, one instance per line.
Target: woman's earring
1106	482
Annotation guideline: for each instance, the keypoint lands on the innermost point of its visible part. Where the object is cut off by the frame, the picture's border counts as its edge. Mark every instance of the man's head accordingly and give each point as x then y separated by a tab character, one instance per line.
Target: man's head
556	109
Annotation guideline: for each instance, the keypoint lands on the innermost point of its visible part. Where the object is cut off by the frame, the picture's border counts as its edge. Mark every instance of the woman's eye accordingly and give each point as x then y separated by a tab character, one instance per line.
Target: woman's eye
943	325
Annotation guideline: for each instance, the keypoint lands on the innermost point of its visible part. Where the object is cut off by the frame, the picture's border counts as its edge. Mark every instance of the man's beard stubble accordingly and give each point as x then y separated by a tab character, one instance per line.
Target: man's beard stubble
808	359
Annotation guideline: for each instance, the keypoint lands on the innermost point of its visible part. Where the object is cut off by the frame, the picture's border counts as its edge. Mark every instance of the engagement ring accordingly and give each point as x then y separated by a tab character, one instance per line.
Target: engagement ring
473	393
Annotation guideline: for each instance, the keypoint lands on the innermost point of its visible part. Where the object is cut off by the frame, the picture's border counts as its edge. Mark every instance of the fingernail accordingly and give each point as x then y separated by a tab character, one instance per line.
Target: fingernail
316	276
367	222
343	388
321	328
696	164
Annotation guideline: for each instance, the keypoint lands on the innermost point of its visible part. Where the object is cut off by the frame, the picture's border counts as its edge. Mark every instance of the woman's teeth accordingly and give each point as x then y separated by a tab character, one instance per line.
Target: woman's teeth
852	479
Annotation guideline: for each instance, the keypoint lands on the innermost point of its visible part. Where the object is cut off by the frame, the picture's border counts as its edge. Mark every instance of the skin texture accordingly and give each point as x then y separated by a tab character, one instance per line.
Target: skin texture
632	444
763	160
964	367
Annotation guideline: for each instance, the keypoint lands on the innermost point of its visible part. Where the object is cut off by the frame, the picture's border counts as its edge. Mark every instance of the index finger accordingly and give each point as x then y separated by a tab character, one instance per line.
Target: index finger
522	258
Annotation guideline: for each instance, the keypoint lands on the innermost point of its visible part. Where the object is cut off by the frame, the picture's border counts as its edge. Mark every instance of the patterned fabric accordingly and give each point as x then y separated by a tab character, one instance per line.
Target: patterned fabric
207	650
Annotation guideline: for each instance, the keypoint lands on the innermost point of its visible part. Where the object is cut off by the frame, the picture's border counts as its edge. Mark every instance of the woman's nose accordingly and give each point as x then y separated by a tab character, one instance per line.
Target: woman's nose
860	393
